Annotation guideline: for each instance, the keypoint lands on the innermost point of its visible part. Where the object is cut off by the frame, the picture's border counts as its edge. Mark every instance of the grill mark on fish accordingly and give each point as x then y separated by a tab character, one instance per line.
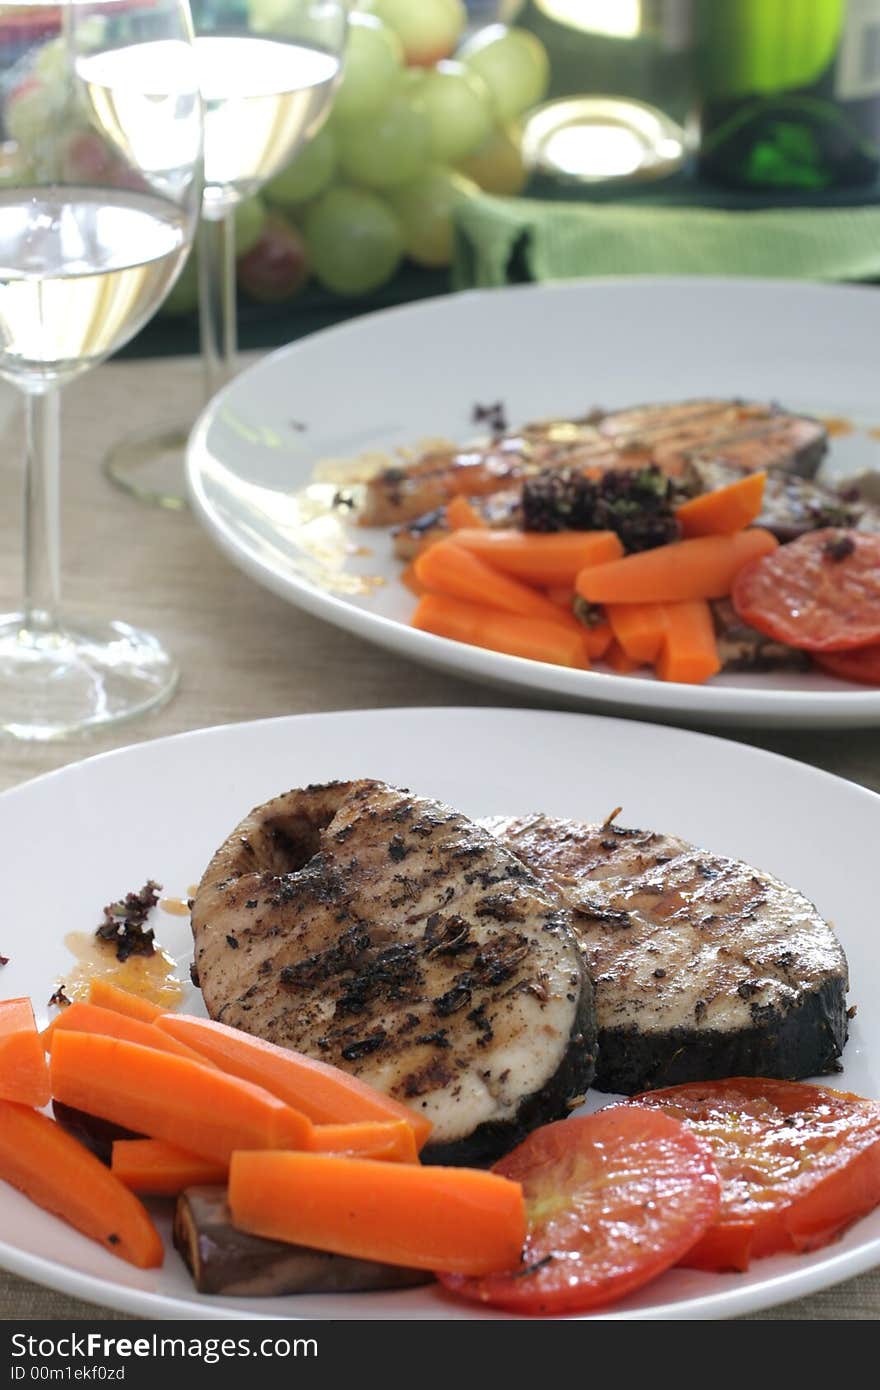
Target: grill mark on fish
400	927
753	980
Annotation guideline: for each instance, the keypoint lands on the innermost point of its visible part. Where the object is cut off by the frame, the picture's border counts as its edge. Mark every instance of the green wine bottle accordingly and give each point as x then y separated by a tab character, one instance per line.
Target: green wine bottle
790	92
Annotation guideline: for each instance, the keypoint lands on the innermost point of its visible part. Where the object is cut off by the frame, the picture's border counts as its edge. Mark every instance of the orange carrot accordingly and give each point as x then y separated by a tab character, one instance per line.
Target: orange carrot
690	651
409	580
194	1107
447	568
24	1076
460	513
392	1140
157	1169
91	1018
597	636
325	1094
562	595
532	638
617	659
458	1219
638	628
122	1001
551	559
598	639
701	568
725	510
58	1173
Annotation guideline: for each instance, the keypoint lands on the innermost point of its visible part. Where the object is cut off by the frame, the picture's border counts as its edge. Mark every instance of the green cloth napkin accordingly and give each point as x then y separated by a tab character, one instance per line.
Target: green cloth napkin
504	239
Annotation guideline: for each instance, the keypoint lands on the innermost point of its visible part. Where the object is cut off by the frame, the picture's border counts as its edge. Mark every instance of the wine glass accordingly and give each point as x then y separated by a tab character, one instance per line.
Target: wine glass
100	179
268	69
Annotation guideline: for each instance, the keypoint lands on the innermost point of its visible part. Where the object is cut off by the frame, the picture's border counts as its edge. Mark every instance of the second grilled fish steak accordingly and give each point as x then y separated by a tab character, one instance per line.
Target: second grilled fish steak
391	936
751	435
703	966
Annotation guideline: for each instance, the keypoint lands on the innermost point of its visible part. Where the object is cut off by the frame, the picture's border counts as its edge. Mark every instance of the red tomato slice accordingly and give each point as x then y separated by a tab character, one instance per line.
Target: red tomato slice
798	1163
820	593
862	664
612	1200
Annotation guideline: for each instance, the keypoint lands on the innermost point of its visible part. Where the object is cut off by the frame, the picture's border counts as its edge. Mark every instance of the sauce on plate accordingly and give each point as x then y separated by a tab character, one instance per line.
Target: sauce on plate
152	977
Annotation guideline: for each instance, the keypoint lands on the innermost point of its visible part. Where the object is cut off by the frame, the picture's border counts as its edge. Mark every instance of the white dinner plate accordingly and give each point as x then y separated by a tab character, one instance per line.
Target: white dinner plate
399	377
85	835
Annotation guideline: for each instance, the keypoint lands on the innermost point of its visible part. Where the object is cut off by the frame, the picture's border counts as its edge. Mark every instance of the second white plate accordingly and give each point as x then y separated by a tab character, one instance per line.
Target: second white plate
396	378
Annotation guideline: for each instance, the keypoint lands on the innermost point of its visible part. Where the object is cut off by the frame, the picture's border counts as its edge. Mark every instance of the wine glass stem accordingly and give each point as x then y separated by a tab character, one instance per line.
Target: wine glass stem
217	300
42	514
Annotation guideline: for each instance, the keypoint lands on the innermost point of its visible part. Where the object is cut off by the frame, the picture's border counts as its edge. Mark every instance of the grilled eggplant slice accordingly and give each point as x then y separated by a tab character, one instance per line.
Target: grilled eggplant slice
390	936
97	1135
703	966
224	1260
792	505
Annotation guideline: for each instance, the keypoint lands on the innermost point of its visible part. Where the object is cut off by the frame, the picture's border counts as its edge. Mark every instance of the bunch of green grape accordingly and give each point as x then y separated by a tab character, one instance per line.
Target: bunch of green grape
413	128
419	120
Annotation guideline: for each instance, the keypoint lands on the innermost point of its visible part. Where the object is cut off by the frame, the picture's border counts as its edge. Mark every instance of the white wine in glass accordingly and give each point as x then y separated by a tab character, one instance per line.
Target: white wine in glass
100	178
268	71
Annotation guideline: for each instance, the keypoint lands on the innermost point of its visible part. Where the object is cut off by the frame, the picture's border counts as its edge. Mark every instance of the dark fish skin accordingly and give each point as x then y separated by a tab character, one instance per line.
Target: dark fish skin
753	436
390	936
704	967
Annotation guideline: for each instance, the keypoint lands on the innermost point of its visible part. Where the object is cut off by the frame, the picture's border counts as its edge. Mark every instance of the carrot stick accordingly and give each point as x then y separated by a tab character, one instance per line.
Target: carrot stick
725	510
325	1094
122	1001
458	1219
701	568
690	651
392	1140
157	1169
24	1076
54	1170
617	659
598	639
409	580
562	595
91	1018
447	568
597	635
194	1107
460	513
541	559
638	628
532	638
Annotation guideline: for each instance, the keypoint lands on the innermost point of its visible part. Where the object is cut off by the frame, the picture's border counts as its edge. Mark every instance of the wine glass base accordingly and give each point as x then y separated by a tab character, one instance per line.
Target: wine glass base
79	679
149	464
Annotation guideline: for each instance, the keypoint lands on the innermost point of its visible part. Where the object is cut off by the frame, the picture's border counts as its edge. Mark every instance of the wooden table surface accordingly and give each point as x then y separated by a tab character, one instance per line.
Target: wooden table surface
245	654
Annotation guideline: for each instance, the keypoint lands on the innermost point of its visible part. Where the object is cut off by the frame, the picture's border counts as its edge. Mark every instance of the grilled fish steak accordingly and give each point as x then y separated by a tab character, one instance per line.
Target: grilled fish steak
498	511
750	435
391	936
703	966
792	505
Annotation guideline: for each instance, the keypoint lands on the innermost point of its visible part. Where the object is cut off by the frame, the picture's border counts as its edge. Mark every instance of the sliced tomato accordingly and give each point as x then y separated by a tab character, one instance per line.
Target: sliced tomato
612	1200
798	1163
820	593
862	664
